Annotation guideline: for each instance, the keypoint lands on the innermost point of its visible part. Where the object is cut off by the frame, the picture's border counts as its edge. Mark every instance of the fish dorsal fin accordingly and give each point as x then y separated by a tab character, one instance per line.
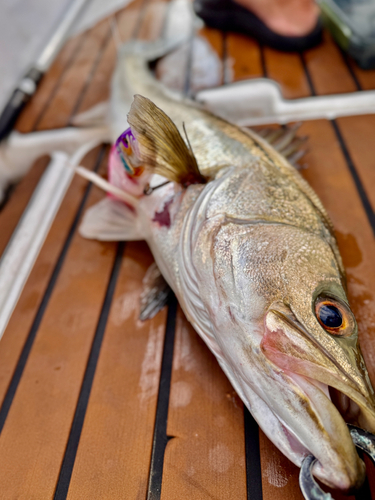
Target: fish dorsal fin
161	147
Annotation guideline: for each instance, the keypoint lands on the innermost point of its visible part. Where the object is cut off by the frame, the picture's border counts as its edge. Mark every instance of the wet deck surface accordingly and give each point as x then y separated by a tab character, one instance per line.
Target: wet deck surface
94	403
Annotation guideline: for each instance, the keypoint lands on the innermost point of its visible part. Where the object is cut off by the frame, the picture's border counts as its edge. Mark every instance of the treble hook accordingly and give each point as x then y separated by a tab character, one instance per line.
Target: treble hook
363	440
309	487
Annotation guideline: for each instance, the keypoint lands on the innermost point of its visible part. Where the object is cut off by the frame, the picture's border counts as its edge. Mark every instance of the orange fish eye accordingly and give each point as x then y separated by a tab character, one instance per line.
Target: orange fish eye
334	317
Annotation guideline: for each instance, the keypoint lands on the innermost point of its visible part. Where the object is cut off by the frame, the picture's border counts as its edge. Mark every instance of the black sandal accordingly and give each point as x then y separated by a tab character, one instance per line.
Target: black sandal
227	15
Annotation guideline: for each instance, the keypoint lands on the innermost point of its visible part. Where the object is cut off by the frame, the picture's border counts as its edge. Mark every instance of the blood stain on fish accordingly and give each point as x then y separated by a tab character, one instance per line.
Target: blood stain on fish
164	217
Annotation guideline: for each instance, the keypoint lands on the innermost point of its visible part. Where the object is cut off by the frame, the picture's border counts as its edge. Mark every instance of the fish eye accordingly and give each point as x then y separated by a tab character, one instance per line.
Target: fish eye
335	317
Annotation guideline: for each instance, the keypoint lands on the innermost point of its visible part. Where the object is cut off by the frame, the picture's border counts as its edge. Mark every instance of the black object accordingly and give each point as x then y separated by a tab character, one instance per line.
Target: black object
352	24
17	101
27	86
227	15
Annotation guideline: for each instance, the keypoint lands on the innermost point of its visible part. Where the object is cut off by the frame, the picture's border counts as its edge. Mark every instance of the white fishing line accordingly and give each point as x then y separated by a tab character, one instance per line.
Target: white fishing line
106	186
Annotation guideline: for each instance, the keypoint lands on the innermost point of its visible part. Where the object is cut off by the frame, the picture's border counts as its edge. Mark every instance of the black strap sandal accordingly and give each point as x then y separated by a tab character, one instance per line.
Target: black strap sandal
227	15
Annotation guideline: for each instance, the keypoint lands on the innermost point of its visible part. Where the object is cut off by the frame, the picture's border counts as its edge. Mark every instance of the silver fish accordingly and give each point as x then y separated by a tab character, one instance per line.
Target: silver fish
249	250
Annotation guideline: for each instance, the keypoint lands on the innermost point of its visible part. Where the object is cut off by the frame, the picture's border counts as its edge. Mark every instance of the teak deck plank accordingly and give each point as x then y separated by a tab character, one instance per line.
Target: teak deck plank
215	39
121	25
366	78
21	194
113	457
75	78
34	437
119	423
20	197
288	71
33	118
329	72
357	132
25	312
243	57
205	457
49	85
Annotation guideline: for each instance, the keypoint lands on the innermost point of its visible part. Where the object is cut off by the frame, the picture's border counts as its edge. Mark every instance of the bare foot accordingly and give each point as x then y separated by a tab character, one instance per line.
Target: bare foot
285	17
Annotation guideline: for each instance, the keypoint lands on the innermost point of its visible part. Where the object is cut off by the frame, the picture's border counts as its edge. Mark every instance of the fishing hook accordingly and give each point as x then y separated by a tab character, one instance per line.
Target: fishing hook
149	190
309	487
363	440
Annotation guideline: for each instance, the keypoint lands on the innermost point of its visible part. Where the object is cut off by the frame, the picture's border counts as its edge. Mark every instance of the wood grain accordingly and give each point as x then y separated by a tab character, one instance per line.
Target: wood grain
329	73
366	77
75	79
358	134
49	85
287	70
23	316
34	437
243	57
113	457
98	89
206	457
19	198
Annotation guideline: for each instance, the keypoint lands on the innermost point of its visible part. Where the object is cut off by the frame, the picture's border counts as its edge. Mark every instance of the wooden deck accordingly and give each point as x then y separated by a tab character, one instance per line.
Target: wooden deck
96	404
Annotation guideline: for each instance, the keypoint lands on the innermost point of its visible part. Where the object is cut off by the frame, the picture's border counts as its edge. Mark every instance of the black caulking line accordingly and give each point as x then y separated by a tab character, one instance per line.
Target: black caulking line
57	85
350	69
79	416
91	73
160	438
358	183
307	73
252	452
263	61
9	396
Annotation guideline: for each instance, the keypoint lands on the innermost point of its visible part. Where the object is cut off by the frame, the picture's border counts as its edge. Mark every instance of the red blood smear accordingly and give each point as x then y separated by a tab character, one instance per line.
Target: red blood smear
164	217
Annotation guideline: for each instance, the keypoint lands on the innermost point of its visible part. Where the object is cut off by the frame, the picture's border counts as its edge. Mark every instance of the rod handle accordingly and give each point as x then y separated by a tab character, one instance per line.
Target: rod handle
21	95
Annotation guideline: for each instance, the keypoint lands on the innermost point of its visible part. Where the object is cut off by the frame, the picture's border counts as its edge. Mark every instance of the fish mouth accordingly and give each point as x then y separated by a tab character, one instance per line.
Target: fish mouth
334	393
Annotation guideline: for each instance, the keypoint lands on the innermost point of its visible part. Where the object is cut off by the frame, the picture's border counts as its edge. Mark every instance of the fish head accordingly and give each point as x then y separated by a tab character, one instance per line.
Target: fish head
288	340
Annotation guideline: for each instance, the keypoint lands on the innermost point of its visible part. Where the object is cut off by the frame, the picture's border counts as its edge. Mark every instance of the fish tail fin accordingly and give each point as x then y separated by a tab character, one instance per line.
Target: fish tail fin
162	149
179	26
111	220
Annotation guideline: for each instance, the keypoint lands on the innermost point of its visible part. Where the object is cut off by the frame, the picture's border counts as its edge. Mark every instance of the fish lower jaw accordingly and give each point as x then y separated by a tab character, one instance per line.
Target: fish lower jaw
338	480
338	464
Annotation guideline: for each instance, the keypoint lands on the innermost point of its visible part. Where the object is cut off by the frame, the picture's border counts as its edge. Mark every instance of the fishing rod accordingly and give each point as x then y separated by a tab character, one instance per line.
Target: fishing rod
28	84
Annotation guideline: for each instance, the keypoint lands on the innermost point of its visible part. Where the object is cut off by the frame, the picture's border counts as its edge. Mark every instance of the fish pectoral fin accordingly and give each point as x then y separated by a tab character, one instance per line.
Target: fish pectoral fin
161	146
110	220
155	293
286	141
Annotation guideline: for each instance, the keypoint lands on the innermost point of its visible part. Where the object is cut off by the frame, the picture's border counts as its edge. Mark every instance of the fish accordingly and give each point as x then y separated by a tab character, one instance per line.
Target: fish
250	252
